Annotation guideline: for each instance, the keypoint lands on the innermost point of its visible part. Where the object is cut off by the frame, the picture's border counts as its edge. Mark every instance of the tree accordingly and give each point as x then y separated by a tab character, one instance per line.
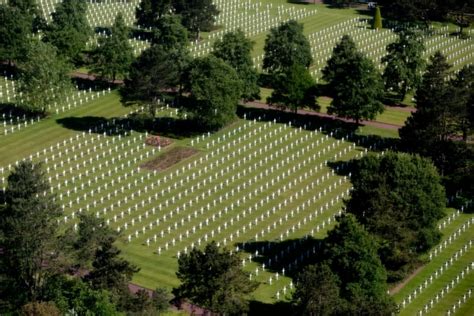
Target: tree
399	199
44	78
109	270
410	11
405	63
28	224
286	46
317	291
235	49
14	34
377	23
197	15
342	54
170	33
114	54
149	11
73	294
351	253
214	279
157	70
214	91
294	89
430	126
463	100
356	96
69	30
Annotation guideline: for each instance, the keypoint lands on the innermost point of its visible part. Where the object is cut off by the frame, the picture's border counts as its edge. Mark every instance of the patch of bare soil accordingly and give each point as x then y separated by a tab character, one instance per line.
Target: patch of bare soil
170	158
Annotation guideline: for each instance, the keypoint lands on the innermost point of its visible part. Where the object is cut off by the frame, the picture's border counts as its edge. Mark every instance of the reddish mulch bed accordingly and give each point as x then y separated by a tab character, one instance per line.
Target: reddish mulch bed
170	158
158	141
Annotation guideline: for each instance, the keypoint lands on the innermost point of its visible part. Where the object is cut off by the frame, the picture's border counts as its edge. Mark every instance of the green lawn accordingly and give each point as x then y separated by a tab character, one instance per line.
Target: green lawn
48	132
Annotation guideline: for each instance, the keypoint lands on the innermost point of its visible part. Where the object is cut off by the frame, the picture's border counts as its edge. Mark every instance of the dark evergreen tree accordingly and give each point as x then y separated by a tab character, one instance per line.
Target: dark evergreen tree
430	127
28	228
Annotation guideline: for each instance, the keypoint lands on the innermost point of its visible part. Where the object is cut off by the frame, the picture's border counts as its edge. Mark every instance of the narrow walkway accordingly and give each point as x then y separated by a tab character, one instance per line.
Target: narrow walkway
261	105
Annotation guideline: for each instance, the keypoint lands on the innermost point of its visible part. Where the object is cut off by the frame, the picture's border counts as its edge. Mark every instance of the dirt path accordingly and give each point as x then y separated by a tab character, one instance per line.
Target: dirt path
262	105
399	286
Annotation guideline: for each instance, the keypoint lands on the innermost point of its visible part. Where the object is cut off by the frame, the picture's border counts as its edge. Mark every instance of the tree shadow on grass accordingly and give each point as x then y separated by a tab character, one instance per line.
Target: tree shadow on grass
290	254
163	126
332	127
280	308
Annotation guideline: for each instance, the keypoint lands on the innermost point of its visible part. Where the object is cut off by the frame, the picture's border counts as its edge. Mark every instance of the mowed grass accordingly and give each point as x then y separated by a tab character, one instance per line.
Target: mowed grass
299	165
48	132
429	293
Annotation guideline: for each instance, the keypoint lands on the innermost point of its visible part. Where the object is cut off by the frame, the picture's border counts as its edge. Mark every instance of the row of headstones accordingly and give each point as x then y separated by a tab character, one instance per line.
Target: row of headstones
226	196
452	284
261	189
279	222
440	271
189	165
462	300
132	197
448	241
251	26
55	148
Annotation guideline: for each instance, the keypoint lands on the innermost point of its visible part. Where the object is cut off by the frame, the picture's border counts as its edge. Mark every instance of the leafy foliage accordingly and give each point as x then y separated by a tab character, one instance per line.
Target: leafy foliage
169	32
44	77
235	49
214	279
14	34
156	70
342	54
197	15
356	96
399	199
405	63
69	31
351	253
27	234
74	294
317	291
294	89
114	54
150	11
286	46
214	91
